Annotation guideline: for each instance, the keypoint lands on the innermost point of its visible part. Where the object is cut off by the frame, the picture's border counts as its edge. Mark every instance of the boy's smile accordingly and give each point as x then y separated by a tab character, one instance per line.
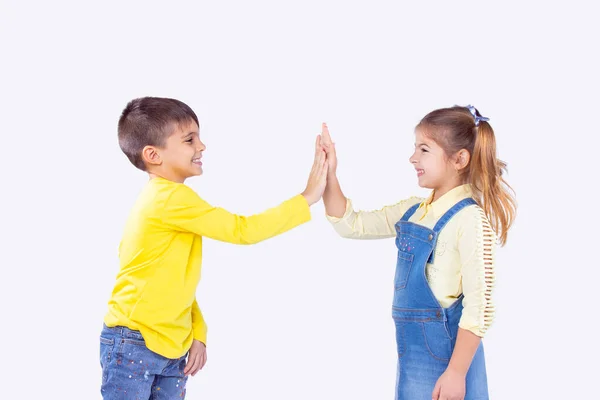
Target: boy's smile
181	156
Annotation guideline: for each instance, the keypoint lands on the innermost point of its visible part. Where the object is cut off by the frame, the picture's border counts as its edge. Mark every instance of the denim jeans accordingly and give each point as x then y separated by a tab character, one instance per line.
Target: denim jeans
131	371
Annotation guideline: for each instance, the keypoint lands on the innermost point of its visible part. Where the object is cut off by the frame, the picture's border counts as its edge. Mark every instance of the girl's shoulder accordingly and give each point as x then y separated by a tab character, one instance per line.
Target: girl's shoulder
473	220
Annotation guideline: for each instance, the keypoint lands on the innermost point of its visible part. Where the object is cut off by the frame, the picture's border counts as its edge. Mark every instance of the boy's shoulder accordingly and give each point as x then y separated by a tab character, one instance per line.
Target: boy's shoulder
159	193
177	198
160	201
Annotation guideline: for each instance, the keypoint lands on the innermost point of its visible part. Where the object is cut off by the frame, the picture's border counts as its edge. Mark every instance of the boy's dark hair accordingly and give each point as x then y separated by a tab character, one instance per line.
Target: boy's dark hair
148	121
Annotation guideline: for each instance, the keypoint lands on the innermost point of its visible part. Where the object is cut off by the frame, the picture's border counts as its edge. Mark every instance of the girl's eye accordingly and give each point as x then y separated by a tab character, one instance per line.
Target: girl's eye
424	150
190	140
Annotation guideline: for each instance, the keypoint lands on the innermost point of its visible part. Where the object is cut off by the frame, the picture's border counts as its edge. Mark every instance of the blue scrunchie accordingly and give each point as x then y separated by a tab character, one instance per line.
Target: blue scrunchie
477	117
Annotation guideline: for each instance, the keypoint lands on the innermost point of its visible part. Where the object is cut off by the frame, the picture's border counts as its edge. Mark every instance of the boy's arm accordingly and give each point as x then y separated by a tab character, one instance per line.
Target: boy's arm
187	212
198	325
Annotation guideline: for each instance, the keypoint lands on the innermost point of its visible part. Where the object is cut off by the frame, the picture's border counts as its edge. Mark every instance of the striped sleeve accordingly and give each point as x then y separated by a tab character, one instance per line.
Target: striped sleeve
477	248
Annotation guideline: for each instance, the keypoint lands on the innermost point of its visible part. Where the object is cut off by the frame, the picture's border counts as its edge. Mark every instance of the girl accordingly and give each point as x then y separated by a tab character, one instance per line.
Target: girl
446	245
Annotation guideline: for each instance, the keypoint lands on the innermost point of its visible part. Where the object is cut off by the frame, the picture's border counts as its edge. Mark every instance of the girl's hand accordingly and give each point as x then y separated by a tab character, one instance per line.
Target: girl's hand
450	386
329	148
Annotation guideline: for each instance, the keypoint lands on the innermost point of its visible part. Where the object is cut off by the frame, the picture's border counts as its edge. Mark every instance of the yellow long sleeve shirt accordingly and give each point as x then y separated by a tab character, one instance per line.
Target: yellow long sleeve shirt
160	258
464	255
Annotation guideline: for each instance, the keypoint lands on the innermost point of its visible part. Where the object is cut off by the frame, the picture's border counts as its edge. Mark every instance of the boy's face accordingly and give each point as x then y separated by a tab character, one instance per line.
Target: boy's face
180	158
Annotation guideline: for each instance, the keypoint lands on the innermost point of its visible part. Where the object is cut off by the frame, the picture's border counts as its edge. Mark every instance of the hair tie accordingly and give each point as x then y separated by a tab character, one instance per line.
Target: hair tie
477	118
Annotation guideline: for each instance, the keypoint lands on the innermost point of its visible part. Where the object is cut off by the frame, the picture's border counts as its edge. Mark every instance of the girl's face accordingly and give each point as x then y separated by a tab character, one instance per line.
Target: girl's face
434	169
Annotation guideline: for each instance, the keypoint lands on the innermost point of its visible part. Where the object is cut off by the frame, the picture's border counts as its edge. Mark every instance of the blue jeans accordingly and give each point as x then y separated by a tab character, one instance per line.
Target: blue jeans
131	371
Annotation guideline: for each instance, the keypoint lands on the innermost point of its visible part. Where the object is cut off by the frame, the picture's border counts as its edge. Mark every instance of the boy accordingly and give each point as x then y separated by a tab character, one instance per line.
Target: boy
153	319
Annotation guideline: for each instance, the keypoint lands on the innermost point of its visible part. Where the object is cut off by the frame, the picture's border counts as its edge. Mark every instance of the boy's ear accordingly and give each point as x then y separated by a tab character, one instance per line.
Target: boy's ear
462	159
151	156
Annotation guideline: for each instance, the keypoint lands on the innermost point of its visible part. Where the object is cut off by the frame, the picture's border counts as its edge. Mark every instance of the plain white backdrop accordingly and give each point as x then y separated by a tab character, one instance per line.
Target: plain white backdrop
306	315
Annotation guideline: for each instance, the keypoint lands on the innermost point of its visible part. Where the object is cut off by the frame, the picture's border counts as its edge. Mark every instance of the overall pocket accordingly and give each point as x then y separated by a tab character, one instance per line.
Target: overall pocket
400	337
403	267
437	340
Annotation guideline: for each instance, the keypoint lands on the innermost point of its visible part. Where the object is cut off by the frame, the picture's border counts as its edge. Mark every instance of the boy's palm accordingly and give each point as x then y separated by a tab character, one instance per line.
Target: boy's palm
317	180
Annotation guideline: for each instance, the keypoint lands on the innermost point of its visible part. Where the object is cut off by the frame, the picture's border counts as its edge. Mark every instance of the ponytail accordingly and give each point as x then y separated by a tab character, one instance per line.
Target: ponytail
490	189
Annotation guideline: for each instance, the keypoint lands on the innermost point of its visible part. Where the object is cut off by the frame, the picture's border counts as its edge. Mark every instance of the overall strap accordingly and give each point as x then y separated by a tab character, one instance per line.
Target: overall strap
409	213
451	212
444	220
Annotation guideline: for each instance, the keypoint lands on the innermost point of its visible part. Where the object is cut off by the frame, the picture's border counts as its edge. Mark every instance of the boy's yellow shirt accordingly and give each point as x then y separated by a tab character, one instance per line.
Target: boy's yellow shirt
160	258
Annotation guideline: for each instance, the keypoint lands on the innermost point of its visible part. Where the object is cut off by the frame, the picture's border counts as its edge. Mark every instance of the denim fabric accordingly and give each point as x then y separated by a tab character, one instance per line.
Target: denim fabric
131	371
426	332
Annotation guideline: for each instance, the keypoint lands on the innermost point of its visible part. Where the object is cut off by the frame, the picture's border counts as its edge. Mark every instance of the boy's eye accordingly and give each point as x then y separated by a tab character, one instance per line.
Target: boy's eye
190	140
424	150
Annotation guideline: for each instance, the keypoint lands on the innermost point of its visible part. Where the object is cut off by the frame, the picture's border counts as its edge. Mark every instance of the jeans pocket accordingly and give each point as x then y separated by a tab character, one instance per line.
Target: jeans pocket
437	341
133	351
106	351
106	347
403	267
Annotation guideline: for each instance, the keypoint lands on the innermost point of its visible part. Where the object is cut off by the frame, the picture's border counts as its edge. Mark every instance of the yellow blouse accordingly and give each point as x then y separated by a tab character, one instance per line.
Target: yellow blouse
464	254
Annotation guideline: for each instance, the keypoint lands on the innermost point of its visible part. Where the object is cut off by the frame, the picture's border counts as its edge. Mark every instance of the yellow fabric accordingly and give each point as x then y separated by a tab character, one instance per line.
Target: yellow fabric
160	258
464	255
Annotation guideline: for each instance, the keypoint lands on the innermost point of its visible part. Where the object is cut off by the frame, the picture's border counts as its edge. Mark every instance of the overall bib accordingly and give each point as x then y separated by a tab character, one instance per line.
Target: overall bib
426	332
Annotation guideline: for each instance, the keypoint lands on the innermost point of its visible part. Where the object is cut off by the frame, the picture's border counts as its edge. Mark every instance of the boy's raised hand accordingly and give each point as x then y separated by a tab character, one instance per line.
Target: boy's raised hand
329	148
317	180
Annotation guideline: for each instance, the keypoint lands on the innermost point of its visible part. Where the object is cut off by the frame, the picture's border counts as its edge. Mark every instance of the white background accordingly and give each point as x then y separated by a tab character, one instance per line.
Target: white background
306	315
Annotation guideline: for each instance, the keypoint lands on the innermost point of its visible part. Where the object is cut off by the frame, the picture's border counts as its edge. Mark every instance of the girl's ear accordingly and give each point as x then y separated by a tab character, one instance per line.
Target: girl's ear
461	159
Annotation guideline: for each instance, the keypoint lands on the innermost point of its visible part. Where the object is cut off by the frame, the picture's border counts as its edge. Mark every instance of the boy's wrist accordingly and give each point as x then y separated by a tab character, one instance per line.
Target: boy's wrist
309	198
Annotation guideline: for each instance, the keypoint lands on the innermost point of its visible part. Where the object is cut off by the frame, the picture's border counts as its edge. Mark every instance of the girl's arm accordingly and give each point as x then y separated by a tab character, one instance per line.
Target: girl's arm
356	224
466	345
476	247
333	197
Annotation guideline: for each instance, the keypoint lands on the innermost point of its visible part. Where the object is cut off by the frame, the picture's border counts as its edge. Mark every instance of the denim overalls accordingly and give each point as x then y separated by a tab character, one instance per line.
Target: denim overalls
426	332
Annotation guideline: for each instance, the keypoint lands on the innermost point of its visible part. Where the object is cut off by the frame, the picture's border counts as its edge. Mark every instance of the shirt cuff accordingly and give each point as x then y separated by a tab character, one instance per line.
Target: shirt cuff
301	206
347	212
200	333
473	328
